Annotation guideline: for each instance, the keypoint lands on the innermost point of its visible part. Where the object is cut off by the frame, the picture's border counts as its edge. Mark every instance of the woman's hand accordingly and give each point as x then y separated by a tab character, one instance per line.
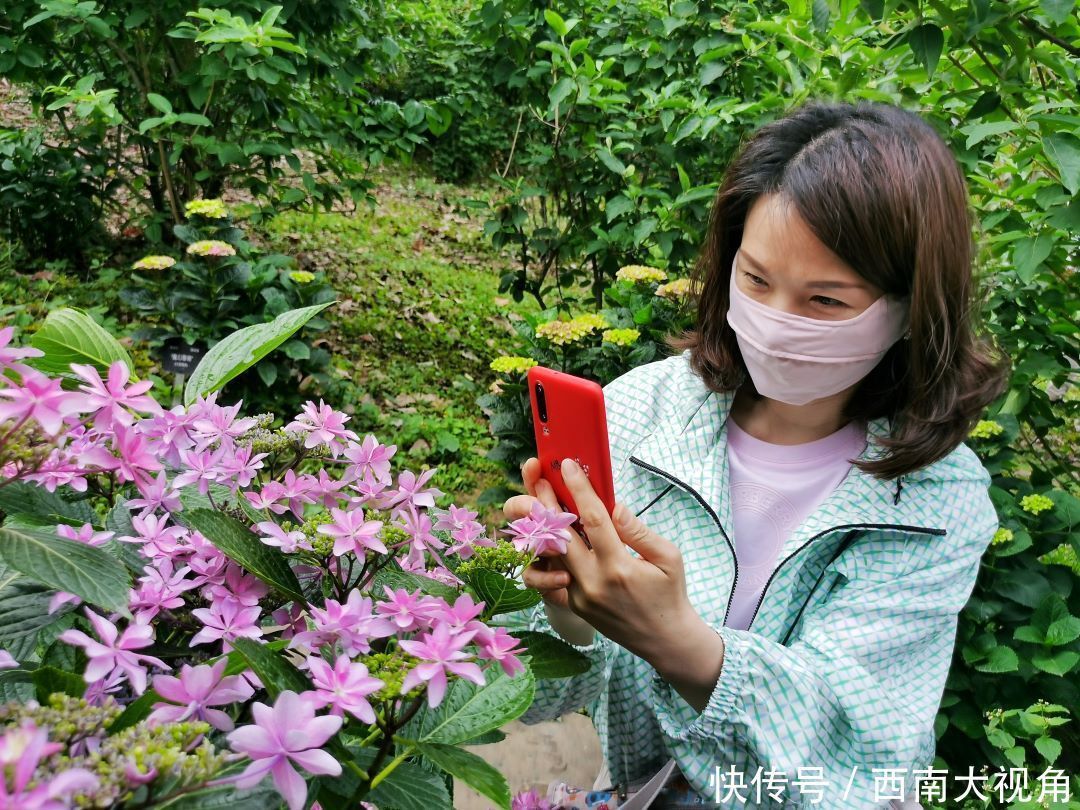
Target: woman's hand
547	574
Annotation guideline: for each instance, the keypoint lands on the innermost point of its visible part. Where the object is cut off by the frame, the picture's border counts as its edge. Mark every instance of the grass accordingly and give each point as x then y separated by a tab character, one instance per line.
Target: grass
418	319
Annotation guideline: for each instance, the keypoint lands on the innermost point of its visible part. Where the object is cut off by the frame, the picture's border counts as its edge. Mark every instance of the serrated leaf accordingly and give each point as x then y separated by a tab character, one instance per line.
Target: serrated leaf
50	680
501	595
484	708
277	674
66	565
71	336
1059	663
243	547
470	769
243	349
411	787
22	498
24	606
1001	659
1049	748
395	578
551	657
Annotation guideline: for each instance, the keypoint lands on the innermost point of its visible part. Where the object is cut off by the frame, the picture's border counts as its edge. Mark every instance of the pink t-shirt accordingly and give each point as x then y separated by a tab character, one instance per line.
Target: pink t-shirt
774	488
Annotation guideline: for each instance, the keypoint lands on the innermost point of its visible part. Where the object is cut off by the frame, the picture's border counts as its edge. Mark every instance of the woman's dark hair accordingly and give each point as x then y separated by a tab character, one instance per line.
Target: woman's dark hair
880	188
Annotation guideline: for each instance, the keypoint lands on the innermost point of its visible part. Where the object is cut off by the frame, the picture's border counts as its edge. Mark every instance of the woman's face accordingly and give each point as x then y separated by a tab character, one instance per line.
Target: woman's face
781	264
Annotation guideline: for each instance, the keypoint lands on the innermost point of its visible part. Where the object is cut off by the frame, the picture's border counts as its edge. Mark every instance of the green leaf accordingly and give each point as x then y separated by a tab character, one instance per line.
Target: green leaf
557	23
24	606
1063	148
477	710
560	90
135	712
643	230
159	103
618	206
243	349
65	565
1058	663
1001	659
551	657
50	680
926	42
194	120
395	578
243	547
1057	10
608	159
821	14
263	796
470	769
277	674
1049	748
297	350
22	498
411	787
1029	254
500	594
71	336
977	133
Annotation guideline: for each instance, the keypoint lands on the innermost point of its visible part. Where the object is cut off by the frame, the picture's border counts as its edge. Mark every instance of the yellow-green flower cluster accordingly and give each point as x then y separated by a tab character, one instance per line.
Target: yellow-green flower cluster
640	274
211	247
986	429
502	558
674	289
1036	504
154	263
302	276
211	209
563	332
1001	537
511	364
621	337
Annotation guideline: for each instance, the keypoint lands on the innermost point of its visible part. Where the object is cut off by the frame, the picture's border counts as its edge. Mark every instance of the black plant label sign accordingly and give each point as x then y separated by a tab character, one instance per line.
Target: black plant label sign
178	357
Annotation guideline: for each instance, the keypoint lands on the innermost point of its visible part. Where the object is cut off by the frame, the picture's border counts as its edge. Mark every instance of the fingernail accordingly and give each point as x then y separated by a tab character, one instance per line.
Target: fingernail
569	466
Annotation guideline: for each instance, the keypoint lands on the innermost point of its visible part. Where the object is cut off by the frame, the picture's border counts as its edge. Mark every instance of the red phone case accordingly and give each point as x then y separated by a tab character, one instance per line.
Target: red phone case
576	428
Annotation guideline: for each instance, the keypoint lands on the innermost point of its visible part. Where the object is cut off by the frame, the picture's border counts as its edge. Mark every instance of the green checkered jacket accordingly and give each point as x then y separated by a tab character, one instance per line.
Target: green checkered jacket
829	698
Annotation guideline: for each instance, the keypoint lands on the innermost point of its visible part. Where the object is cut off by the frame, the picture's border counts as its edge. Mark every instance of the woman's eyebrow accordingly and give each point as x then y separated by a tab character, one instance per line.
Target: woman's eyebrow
817	285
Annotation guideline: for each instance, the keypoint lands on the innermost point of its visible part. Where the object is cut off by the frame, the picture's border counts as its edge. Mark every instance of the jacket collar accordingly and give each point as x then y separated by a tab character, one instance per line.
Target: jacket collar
689	447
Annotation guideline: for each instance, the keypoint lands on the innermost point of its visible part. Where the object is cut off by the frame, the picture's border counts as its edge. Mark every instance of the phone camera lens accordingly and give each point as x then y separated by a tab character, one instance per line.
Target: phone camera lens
541	402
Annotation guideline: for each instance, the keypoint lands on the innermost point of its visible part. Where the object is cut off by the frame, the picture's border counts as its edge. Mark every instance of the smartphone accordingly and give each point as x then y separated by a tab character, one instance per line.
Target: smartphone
570	421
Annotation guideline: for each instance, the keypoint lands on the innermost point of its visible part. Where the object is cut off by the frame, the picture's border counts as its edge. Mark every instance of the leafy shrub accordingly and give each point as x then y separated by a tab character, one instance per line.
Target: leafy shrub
221	283
644	308
48	197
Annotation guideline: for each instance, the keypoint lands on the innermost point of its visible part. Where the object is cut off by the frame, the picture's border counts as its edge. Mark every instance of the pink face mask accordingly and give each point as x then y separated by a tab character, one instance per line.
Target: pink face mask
797	360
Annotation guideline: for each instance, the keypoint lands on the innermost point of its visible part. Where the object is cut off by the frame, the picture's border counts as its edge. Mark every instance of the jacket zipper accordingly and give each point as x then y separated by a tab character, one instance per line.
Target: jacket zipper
687	488
915	529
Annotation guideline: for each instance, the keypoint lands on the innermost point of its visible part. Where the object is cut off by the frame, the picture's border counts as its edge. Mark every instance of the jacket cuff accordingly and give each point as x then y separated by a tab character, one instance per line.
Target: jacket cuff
679	720
539	622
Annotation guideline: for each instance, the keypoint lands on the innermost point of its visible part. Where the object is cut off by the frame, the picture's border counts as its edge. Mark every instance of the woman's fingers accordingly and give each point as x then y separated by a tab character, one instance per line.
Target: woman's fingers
549	580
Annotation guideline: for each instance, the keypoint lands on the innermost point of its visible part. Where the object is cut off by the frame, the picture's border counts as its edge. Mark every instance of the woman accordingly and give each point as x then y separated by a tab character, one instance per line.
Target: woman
802	519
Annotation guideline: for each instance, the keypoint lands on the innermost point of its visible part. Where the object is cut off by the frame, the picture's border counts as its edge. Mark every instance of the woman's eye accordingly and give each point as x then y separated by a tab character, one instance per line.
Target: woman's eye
756	280
829	302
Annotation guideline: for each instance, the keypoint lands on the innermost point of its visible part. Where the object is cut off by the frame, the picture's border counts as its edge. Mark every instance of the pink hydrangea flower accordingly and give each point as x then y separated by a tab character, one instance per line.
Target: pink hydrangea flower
21	751
351	623
115	650
42	399
441	652
541	530
323	425
226	620
282	737
273	534
196	691
411	489
111	402
343	687
7	661
10	357
352	533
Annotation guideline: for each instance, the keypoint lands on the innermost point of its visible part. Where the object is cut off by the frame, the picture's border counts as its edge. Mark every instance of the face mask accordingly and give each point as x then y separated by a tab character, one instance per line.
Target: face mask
797	360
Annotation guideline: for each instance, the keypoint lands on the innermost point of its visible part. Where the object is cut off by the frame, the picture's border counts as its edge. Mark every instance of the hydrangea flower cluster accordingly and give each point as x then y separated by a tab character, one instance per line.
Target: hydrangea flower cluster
211	209
562	333
211	247
986	429
620	337
677	288
640	274
509	364
331	563
154	263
